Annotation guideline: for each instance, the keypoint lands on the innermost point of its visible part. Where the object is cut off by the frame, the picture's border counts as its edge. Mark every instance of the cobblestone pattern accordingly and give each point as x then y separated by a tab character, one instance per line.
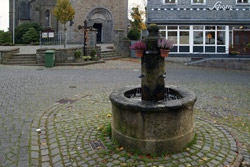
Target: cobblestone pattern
66	132
28	97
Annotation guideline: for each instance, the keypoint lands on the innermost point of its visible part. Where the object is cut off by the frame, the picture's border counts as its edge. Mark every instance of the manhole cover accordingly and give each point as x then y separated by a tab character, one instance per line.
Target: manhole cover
97	145
2	158
39	69
72	86
65	101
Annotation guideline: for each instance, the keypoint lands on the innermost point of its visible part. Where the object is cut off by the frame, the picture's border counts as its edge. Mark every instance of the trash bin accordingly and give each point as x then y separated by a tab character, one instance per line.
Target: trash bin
50	58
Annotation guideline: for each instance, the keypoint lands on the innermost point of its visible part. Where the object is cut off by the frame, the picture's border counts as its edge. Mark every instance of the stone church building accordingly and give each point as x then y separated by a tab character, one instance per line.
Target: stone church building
103	15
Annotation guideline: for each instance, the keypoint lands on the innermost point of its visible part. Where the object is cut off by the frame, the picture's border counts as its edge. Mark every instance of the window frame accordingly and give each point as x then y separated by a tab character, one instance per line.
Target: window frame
164	2
193	3
236	2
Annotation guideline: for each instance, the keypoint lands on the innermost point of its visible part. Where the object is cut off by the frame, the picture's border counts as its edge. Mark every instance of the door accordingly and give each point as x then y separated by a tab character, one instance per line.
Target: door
241	39
98	27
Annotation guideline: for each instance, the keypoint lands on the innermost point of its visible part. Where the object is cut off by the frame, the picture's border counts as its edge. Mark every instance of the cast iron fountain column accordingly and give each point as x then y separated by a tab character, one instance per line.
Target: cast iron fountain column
153	69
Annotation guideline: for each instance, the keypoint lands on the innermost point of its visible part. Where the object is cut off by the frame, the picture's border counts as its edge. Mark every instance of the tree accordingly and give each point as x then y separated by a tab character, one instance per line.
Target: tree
30	36
134	34
5	37
64	12
137	21
23	28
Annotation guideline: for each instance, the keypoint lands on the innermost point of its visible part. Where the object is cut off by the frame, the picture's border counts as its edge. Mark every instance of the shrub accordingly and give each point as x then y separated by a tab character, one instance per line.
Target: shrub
93	53
23	28
78	54
5	37
134	34
30	36
35	43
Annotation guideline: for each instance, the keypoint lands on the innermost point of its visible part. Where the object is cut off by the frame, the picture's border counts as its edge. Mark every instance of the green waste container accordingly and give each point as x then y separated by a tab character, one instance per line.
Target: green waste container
50	58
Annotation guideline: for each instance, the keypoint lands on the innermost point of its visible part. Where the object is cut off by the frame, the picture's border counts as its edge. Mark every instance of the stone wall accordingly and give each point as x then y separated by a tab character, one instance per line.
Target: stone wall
121	45
63	55
227	63
6	54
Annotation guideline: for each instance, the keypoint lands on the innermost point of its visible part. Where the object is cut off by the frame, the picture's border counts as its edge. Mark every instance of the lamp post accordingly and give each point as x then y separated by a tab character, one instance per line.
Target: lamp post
14	18
86	29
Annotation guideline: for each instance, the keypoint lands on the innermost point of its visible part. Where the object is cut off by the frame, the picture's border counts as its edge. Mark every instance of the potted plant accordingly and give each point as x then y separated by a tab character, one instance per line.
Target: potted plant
165	46
139	48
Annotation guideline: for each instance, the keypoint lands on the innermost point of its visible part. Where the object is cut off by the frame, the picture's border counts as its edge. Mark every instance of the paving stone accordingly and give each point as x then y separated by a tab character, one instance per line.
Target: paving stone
29	93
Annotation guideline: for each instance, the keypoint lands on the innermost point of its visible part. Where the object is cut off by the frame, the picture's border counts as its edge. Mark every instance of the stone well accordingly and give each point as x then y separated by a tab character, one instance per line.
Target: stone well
153	127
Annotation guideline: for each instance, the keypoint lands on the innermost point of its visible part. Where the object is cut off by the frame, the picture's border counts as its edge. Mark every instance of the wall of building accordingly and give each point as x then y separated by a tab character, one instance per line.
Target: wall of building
158	12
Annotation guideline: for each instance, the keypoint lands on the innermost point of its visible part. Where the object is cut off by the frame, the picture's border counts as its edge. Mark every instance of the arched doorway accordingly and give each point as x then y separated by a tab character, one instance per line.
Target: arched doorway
101	19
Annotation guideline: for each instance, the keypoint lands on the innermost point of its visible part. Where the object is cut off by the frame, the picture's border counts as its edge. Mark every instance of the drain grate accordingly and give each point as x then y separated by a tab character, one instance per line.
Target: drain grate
65	101
97	145
72	86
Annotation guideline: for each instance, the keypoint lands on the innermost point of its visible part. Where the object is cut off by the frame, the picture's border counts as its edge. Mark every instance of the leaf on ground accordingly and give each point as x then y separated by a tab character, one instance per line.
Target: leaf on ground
129	154
141	156
204	159
108	115
43	144
187	149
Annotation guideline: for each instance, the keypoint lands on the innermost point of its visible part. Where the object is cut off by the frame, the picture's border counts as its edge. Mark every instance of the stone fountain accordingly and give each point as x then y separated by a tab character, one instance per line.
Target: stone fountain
155	118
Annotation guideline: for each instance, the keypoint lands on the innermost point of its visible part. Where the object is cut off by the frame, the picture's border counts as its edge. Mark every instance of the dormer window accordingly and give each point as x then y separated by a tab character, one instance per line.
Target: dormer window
242	2
198	2
170	2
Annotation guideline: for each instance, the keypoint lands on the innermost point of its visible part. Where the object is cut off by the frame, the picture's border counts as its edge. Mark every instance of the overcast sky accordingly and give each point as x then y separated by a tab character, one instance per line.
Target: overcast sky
4	12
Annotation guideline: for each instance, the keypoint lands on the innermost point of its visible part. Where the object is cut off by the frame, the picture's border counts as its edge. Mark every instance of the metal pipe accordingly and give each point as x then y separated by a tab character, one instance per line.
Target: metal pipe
14	19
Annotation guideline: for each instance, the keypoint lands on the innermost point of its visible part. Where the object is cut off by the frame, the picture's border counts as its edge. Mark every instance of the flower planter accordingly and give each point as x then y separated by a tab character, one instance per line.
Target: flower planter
164	53
139	53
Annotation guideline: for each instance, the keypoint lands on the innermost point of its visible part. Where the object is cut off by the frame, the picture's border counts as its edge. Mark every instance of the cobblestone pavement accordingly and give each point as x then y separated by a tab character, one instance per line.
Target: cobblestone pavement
61	116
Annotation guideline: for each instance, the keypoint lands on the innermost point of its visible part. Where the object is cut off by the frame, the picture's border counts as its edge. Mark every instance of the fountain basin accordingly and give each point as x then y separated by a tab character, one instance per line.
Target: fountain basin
153	127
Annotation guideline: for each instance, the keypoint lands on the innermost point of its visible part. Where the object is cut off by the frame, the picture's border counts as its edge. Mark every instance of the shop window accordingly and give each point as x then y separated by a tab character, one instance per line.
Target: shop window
210	49
184	27
210	27
221	49
170	2
198	2
198	49
184	48
210	38
163	34
198	37
172	36
172	27
198	27
184	37
221	38
243	2
162	28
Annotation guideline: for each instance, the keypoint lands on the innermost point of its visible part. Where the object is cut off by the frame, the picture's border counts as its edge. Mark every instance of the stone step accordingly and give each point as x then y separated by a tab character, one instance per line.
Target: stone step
22	59
20	62
26	55
114	57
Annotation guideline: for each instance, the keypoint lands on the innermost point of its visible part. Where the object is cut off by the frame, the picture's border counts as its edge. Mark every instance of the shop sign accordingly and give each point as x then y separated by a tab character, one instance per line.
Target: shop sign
219	6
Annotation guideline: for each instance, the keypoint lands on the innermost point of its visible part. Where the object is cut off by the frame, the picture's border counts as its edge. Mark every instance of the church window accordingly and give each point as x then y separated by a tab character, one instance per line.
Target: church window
47	18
